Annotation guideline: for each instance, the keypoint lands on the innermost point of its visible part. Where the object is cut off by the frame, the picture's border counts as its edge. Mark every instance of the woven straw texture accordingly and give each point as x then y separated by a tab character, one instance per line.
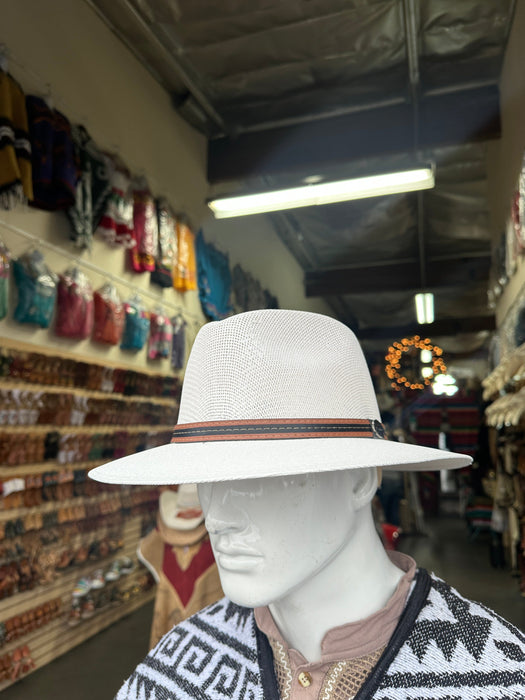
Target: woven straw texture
273	364
277	364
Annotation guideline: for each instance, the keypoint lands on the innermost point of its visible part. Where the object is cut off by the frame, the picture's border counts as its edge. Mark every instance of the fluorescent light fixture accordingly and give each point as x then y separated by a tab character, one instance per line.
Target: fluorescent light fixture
425	356
444	384
425	307
323	193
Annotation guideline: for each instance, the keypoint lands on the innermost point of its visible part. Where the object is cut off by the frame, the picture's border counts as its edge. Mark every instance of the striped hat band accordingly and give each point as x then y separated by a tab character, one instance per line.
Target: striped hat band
284	429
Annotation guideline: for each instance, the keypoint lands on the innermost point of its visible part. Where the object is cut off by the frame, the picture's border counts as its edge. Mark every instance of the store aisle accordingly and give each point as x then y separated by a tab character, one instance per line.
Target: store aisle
96	669
463	563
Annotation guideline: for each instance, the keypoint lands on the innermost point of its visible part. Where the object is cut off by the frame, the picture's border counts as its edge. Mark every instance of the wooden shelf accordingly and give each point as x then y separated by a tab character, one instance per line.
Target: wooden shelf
10	383
23	470
58	637
22	346
41	635
49	506
55	638
86	429
64	583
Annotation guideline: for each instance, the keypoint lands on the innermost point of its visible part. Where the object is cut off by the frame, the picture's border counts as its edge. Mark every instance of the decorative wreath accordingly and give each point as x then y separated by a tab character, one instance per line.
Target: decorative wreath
393	359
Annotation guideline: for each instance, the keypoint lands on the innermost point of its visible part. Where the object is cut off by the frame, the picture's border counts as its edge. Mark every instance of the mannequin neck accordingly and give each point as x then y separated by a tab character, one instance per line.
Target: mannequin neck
358	582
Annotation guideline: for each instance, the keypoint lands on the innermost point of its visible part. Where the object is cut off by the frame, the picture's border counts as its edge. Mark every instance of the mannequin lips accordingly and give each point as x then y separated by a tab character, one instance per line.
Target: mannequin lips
237	558
237	562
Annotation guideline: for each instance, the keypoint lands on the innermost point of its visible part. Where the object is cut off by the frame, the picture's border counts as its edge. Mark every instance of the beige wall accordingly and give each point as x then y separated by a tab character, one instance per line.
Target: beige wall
253	243
505	155
96	81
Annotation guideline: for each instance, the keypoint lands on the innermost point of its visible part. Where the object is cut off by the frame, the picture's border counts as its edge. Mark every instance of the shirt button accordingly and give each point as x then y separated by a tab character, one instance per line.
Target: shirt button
305	679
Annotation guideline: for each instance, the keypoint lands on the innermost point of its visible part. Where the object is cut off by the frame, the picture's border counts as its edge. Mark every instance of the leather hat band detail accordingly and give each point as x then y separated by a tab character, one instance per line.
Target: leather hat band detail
284	429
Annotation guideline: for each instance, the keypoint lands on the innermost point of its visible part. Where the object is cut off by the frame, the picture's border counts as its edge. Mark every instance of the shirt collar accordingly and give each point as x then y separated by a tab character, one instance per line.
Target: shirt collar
354	639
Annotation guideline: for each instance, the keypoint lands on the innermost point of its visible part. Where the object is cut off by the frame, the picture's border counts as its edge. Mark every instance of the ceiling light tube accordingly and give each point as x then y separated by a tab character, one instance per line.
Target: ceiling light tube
425	356
444	384
424	307
323	193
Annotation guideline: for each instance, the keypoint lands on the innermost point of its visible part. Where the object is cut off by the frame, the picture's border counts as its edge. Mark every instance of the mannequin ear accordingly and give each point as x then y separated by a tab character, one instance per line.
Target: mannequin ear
365	484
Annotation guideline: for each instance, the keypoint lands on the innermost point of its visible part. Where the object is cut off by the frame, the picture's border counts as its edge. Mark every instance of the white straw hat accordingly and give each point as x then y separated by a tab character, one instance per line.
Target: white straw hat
270	393
181	510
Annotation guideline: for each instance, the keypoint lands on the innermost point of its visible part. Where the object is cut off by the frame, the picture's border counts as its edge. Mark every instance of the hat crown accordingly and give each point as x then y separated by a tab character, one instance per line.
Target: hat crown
276	364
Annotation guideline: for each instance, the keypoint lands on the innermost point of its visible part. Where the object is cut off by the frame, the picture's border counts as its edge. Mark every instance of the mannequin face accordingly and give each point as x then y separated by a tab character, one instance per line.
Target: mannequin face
272	535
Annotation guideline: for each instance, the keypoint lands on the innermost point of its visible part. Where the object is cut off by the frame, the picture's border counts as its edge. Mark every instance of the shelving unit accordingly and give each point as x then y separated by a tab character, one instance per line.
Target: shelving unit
504	388
11	513
87	429
111	512
9	383
58	637
42	467
67	354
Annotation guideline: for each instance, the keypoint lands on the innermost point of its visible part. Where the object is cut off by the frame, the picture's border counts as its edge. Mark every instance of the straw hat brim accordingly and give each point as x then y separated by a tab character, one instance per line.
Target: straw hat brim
202	462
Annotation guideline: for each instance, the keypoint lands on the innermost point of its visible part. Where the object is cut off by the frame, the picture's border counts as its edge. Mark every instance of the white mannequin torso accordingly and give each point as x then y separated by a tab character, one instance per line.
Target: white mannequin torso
306	546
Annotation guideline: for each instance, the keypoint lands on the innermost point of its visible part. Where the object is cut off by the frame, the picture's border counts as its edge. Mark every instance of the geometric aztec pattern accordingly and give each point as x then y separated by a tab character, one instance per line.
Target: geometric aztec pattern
444	648
211	655
457	650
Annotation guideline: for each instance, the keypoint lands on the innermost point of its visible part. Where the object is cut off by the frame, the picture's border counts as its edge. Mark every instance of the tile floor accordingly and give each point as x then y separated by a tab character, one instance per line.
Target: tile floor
95	670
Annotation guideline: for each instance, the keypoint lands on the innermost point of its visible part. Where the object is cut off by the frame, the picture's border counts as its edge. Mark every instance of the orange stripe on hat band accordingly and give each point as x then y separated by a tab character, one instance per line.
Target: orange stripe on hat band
285	429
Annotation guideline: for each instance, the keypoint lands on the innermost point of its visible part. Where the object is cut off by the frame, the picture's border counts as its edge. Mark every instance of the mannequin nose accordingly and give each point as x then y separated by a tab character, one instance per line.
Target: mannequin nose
217	526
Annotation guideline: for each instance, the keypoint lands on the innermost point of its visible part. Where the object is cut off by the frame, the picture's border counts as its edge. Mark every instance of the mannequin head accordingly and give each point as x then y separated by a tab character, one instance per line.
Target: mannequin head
271	536
279	424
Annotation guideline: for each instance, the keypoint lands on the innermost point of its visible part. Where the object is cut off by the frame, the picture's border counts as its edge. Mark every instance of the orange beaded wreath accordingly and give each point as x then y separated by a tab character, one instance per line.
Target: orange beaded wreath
411	346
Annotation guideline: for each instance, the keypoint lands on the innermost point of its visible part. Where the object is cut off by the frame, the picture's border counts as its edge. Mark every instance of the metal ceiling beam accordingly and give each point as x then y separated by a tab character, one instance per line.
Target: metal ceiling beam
287	229
397	276
170	54
313	117
410	13
462	117
410	20
398	261
440	328
362	107
285	225
459	87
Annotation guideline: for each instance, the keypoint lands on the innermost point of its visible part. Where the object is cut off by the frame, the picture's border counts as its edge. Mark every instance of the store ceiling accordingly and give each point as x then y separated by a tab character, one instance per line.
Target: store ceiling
286	90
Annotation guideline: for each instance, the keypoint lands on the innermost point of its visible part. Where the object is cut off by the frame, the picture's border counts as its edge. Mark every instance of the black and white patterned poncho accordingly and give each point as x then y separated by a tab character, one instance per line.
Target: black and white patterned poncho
444	648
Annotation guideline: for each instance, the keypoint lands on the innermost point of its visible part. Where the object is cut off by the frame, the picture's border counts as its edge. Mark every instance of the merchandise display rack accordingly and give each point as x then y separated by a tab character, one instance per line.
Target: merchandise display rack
87	393
65	354
504	389
101	512
51	640
24	470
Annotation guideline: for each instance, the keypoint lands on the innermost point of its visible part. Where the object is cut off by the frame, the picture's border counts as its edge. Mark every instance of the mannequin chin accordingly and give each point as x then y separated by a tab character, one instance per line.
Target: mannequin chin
272	536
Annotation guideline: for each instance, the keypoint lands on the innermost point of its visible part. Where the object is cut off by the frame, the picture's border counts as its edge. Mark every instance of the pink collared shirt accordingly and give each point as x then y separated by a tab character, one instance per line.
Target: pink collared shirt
348	652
